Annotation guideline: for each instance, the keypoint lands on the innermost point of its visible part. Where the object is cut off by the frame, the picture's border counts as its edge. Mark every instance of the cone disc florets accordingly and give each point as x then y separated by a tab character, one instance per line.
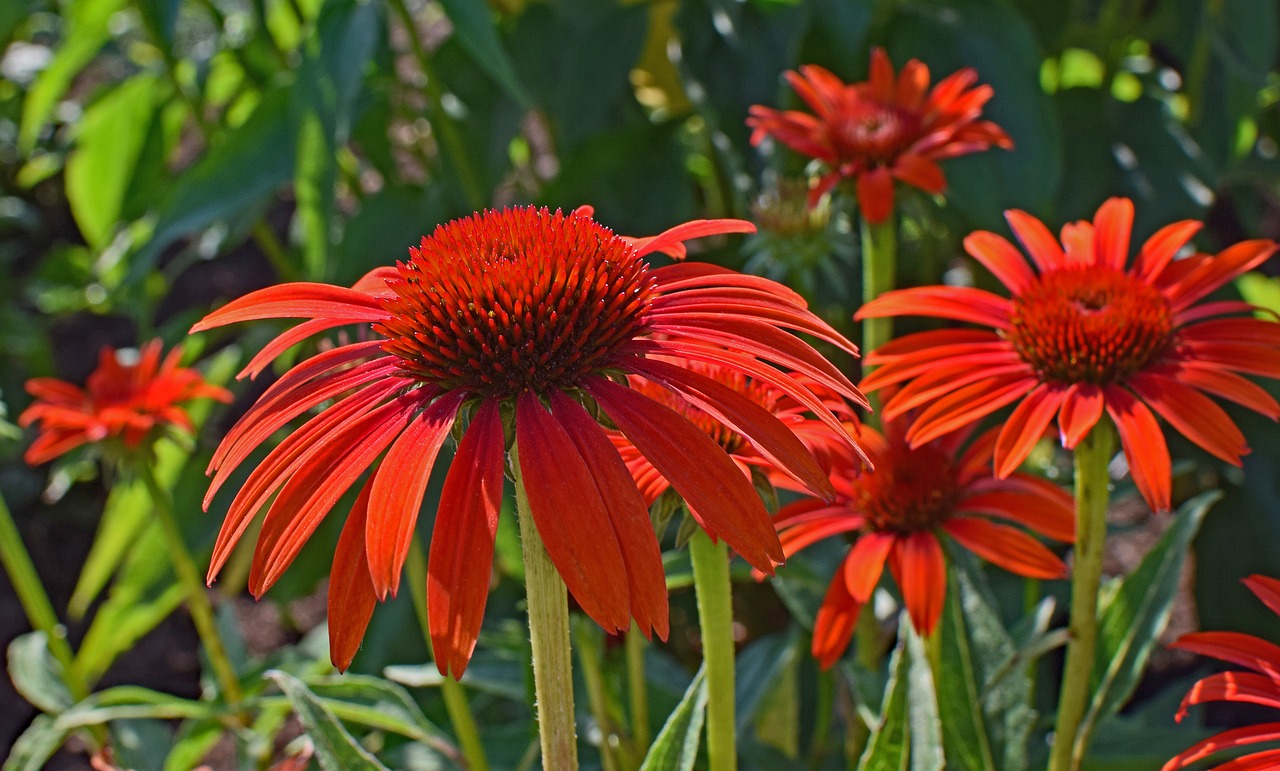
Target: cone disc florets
911	490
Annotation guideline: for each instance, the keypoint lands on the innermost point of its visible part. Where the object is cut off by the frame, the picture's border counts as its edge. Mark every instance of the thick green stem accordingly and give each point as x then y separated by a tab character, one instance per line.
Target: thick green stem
34	600
549	632
715	619
455	698
637	691
1091	458
879	267
198	605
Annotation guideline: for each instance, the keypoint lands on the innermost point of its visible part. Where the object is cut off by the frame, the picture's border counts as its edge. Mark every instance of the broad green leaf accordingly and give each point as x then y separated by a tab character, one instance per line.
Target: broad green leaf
925	727
756	670
383	701
128	613
1133	616
887	749
86	31
336	748
477	31
676	746
140	745
36	674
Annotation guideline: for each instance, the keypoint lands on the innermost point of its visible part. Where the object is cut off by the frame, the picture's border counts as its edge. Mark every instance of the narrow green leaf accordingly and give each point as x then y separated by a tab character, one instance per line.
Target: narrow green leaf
35	746
193	742
36	674
925	726
477	31
887	749
1133	616
676	747
336	749
388	700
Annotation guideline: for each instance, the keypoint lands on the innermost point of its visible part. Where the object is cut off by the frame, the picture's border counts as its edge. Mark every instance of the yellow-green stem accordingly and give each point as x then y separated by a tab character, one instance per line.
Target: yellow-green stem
1091	459
549	632
198	605
586	638
715	619
34	600
879	267
637	691
455	698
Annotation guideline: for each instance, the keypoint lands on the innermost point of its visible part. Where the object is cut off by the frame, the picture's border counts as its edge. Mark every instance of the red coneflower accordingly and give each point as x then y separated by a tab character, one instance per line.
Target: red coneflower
897	512
1082	336
889	127
518	324
128	403
1260	686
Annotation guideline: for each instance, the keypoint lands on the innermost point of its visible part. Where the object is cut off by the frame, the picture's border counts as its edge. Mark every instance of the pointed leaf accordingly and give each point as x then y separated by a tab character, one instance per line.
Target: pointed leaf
36	674
336	748
676	747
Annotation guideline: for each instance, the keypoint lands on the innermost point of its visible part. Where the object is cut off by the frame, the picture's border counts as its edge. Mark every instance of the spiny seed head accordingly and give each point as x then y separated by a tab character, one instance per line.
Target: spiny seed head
872	132
911	490
1090	325
522	299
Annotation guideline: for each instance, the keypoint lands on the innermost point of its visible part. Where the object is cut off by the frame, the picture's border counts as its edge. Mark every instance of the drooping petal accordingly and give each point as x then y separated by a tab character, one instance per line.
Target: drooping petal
1081	409
351	594
967	405
865	563
1232	686
570	516
1030	501
833	626
1026	426
461	557
1144	447
920	172
875	195
304	300
1266	589
1193	414
1008	547
921	572
1236	648
1236	737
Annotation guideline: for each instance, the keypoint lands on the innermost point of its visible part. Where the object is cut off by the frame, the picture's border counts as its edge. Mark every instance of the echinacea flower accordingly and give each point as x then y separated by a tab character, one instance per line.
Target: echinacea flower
888	127
897	513
126	403
1259	686
517	324
1083	336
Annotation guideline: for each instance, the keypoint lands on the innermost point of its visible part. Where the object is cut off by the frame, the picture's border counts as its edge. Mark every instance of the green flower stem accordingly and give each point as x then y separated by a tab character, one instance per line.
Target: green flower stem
549	632
1091	459
637	690
879	268
34	600
715	618
587	641
184	567
455	698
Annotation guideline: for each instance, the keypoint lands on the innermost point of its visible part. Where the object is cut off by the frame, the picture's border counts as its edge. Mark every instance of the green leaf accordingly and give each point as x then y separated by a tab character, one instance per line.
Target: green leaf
887	748
1132	617
87	30
1261	290
140	745
36	674
193	742
756	670
477	32
676	746
381	704
35	746
924	725
336	749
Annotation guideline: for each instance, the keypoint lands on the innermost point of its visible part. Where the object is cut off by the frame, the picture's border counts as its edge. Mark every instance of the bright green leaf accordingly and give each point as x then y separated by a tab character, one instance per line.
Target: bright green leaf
336	748
676	746
887	749
36	674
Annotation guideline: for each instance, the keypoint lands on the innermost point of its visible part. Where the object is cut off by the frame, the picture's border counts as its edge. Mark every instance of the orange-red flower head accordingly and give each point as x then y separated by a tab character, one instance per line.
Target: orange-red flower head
1260	685
888	127
519	325
1083	336
897	513
126	403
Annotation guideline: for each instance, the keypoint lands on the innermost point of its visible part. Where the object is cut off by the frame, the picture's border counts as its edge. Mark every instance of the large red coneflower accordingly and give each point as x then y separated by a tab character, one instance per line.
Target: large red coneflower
889	127
126	403
897	514
1083	336
520	325
1259	686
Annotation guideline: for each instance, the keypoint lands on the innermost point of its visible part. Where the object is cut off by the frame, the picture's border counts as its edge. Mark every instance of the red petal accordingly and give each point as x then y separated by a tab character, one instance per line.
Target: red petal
570	516
1265	589
1160	248
967	405
628	514
1044	249
1000	257
1235	648
1114	223
698	469
1216	271
1026	426
1144	446
957	303
1081	409
297	300
398	488
1226	385
1232	686
1030	501
920	172
875	195
461	559
671	241
1005	546
833	627
351	594
921	572
865	563
1193	414
1236	737
881	83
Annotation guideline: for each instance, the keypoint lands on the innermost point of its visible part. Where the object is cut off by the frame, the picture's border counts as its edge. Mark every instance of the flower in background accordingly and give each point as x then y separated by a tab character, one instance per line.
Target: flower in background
897	512
889	127
517	324
1083	336
1259	686
124	404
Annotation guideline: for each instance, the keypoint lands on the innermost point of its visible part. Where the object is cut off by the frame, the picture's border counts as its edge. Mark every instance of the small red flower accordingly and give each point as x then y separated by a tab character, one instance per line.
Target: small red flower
889	127
126	403
1082	336
516	324
897	512
1259	686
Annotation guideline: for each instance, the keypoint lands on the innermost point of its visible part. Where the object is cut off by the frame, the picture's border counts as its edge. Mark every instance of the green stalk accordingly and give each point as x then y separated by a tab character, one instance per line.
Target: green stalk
715	618
455	698
184	567
879	268
637	690
1091	459
549	632
35	601
586	638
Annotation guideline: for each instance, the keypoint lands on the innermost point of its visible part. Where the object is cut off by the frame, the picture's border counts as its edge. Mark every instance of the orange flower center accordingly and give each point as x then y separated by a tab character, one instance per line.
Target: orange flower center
522	299
872	132
1095	325
909	491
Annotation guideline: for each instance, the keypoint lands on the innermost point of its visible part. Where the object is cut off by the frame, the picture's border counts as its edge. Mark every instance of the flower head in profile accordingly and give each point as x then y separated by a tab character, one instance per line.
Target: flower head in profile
516	325
1260	685
888	127
897	514
1082	337
123	407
